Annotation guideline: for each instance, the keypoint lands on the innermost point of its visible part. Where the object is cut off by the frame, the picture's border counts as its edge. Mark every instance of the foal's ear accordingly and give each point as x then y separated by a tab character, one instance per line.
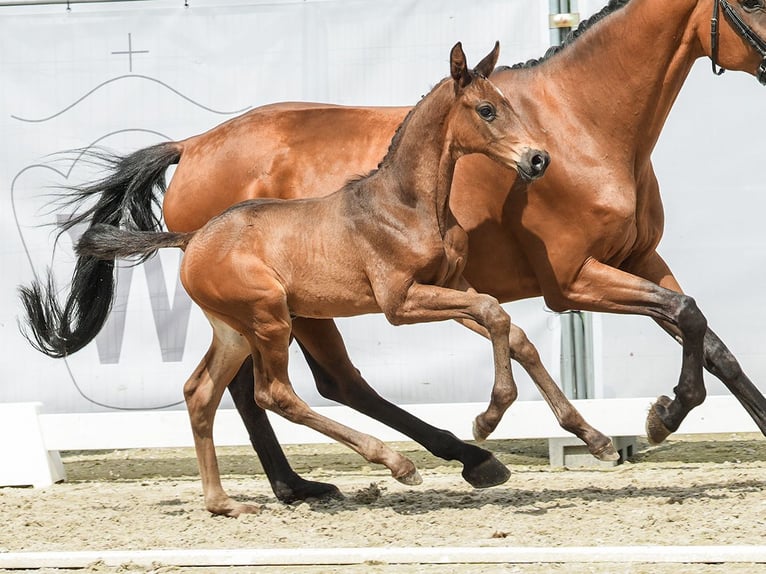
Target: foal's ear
486	66
458	66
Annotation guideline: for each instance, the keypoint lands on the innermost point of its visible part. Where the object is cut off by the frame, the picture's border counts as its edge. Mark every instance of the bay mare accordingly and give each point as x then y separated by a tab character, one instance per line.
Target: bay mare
386	242
584	237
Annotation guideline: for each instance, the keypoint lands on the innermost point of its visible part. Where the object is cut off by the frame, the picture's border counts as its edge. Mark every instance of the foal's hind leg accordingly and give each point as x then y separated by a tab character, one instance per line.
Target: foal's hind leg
269	335
337	379
203	393
287	485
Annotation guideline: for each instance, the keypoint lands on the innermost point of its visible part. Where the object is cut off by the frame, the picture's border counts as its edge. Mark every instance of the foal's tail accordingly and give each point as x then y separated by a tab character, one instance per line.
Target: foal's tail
128	197
107	242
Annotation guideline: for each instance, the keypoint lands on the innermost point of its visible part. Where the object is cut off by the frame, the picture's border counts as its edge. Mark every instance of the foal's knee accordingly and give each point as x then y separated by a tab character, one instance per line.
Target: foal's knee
495	319
522	349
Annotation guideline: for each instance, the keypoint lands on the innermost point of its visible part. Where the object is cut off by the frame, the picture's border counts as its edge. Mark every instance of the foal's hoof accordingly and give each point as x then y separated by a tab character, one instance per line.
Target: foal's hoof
305	490
489	472
233	509
480	432
656	431
606	453
412	478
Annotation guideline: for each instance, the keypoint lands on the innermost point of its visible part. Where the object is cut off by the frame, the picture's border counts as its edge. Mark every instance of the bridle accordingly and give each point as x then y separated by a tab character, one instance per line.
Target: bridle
744	30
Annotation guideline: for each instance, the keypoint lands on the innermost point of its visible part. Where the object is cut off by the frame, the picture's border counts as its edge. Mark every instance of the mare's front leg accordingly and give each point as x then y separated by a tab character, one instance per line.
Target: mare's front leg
337	379
718	359
287	485
599	287
203	392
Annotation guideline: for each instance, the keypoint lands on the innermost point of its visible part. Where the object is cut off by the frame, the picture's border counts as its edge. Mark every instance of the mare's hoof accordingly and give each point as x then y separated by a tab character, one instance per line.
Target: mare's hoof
656	431
480	432
487	473
306	490
412	478
606	453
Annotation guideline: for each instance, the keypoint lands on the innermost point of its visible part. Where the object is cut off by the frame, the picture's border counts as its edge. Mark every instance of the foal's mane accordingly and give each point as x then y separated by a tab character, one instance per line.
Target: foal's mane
610	8
398	133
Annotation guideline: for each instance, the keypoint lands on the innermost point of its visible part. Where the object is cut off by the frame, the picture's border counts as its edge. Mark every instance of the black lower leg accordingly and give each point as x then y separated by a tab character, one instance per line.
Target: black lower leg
722	363
287	485
480	467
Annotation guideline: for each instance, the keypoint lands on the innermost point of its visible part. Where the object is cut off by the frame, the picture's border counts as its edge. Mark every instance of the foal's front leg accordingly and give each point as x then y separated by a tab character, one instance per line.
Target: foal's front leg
568	417
426	303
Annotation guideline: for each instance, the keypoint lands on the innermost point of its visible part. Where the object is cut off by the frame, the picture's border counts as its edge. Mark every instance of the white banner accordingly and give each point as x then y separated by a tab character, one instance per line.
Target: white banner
128	75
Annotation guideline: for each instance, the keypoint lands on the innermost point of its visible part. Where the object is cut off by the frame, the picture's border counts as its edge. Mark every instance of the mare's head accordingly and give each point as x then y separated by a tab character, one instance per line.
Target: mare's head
483	121
738	42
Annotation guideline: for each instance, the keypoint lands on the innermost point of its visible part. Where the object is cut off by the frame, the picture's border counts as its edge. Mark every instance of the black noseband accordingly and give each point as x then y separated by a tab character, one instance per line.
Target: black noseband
744	30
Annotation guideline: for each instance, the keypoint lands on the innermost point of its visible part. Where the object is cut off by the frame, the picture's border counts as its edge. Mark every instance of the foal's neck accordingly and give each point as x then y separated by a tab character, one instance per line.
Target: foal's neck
420	163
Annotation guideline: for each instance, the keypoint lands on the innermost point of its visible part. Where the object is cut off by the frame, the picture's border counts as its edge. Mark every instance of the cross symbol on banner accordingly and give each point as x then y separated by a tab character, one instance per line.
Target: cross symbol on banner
130	51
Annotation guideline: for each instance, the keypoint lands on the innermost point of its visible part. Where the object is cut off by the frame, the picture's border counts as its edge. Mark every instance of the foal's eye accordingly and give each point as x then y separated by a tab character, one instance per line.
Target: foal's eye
486	111
751	4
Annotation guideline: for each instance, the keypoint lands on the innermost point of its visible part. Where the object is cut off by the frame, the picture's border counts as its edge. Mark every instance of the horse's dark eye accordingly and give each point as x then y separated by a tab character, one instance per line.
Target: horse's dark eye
486	111
751	4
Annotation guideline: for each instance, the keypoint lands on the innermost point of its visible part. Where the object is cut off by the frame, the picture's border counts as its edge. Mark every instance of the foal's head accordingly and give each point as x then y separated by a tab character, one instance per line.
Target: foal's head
483	121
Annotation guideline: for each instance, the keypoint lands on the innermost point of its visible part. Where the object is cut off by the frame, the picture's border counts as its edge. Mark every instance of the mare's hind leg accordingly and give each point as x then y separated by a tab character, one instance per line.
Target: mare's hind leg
337	379
569	418
287	485
268	332
718	359
203	392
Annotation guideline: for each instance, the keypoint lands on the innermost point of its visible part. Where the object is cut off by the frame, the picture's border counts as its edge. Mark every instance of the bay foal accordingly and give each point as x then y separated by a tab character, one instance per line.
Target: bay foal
386	242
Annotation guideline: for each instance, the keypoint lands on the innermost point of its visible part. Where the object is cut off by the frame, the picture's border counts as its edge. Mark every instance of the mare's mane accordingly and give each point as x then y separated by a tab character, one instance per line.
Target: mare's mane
610	8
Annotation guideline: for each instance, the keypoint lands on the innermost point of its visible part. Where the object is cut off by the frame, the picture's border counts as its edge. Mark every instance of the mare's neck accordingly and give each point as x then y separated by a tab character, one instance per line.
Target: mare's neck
420	163
626	72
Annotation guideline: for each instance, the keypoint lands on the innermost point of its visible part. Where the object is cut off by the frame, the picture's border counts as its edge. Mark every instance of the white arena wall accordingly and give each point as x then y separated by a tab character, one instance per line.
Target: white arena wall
68	81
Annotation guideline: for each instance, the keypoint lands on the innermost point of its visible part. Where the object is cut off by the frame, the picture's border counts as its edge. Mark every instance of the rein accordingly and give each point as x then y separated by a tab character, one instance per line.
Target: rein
744	30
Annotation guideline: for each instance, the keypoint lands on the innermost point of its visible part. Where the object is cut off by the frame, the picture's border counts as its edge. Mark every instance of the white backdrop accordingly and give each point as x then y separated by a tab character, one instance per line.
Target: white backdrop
127	75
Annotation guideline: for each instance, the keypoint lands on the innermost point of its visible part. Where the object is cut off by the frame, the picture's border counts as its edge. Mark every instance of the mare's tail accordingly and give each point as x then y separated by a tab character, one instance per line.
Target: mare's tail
128	197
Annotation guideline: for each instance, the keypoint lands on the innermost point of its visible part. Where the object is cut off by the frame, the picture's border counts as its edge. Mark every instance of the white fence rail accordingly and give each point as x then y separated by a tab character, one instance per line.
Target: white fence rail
31	457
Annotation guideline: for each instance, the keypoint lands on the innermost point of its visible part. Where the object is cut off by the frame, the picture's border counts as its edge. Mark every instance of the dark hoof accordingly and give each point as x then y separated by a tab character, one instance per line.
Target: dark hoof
656	431
306	490
412	478
606	453
487	473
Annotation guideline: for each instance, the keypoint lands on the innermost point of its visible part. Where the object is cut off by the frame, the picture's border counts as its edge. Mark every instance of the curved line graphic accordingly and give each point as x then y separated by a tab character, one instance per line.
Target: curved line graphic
126	76
65	175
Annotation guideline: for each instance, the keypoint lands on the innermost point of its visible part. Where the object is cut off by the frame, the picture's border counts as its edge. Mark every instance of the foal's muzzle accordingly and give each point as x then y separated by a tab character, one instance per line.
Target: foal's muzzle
533	164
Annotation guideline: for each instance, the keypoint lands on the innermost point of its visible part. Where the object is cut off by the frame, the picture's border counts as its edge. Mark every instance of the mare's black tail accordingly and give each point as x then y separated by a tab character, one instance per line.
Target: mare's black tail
128	197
